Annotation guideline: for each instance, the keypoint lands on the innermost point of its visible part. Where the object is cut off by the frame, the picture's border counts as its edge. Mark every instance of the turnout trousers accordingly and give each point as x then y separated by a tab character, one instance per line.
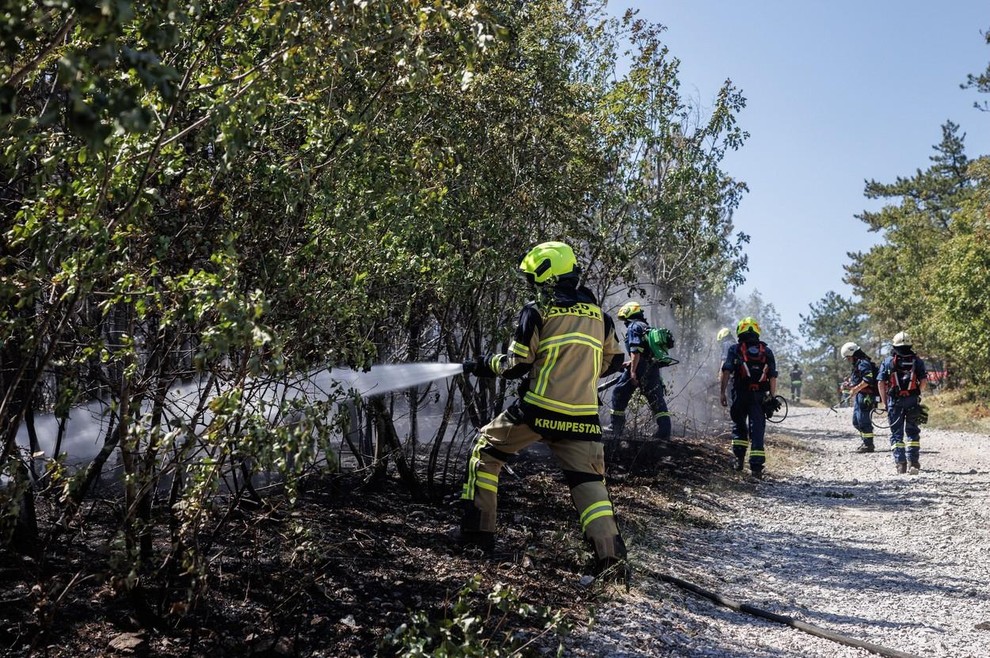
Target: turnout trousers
749	425
905	436
583	464
862	419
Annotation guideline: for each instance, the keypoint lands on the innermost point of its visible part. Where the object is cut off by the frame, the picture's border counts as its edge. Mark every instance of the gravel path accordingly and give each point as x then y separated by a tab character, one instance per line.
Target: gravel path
841	542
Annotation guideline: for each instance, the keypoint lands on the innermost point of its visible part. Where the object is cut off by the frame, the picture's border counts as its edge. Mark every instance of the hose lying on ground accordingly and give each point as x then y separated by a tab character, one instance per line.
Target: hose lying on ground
782	619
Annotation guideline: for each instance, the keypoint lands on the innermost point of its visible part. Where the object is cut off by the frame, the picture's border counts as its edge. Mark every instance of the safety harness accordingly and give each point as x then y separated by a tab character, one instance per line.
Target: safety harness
754	368
903	376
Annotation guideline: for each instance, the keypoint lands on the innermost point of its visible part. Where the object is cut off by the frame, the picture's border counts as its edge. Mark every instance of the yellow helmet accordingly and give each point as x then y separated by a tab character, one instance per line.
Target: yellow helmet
629	309
723	333
748	323
547	261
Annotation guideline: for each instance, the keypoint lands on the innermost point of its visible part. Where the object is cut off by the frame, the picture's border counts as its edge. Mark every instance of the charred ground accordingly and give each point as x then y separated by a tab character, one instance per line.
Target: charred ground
348	566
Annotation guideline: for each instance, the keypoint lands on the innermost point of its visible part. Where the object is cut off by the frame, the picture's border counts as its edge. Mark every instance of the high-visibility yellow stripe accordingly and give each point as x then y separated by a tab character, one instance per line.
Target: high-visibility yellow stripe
572	338
519	349
560	407
543	380
757	453
490	481
552	348
662	414
740	442
914	444
595	511
468	490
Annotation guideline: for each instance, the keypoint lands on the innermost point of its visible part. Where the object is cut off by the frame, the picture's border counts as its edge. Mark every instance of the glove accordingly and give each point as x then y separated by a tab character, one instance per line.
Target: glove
868	403
771	406
480	367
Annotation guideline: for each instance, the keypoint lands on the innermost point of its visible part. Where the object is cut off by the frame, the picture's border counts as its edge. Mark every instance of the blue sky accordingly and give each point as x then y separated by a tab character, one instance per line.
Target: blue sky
837	93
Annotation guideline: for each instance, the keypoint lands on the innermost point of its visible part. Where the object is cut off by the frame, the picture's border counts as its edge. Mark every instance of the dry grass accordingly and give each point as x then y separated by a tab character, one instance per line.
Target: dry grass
957	410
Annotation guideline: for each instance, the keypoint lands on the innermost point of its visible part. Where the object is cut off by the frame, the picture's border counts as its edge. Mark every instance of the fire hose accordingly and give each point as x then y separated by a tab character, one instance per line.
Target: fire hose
783	619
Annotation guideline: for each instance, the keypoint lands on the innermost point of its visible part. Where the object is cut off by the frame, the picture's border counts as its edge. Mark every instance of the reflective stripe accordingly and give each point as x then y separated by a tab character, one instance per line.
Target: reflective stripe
493	479
914	444
898	444
519	349
662	414
595	511
561	407
468	491
552	348
757	453
616	412
740	442
866	435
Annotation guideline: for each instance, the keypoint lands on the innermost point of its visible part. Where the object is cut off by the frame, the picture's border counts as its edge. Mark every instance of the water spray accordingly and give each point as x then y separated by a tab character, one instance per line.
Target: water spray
393	377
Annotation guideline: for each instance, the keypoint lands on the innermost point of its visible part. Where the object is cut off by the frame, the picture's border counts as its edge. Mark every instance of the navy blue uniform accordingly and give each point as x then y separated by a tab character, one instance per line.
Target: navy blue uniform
751	366
650	383
866	399
902	373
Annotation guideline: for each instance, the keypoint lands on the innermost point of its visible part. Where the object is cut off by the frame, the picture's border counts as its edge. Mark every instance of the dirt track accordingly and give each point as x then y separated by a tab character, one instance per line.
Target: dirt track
839	541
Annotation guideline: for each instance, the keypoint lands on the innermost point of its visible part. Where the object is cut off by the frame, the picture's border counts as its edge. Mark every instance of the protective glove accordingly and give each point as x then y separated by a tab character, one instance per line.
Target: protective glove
771	405
867	403
480	367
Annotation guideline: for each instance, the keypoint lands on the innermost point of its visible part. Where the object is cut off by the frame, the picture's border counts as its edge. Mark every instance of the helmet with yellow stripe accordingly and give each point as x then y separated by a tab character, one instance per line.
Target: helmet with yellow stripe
747	324
547	262
630	310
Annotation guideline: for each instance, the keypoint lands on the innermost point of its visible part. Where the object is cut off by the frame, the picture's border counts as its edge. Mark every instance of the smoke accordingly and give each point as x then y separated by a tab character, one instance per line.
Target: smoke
87	425
693	383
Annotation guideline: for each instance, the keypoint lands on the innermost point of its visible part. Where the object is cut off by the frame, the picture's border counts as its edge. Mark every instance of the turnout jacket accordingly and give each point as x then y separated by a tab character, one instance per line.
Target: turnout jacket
561	347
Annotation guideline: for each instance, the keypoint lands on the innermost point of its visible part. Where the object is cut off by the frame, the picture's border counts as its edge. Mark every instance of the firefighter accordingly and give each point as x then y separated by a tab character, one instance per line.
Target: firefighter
796	380
753	370
863	389
563	343
642	371
901	381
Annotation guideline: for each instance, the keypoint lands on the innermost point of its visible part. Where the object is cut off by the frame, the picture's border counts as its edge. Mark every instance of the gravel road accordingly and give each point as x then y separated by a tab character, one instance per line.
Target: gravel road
840	542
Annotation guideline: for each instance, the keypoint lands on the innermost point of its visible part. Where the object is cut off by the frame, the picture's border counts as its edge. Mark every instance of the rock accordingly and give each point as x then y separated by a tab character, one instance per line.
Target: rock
127	643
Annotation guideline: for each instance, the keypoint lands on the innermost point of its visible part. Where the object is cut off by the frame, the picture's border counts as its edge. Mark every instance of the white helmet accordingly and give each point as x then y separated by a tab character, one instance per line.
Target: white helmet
849	349
901	339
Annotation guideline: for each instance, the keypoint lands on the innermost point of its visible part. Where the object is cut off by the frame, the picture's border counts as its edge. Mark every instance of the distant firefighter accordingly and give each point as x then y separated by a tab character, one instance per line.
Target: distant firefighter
751	366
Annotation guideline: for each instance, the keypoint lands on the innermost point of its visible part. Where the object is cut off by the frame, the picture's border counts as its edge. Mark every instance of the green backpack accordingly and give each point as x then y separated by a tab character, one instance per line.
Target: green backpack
659	340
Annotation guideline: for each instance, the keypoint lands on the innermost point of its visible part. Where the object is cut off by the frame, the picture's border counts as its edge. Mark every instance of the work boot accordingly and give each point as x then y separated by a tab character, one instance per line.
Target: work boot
901	467
757	472
914	468
477	540
738	463
866	447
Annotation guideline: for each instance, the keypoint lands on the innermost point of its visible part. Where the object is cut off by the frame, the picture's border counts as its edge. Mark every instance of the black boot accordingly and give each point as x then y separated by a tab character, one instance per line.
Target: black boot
477	540
470	536
614	568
